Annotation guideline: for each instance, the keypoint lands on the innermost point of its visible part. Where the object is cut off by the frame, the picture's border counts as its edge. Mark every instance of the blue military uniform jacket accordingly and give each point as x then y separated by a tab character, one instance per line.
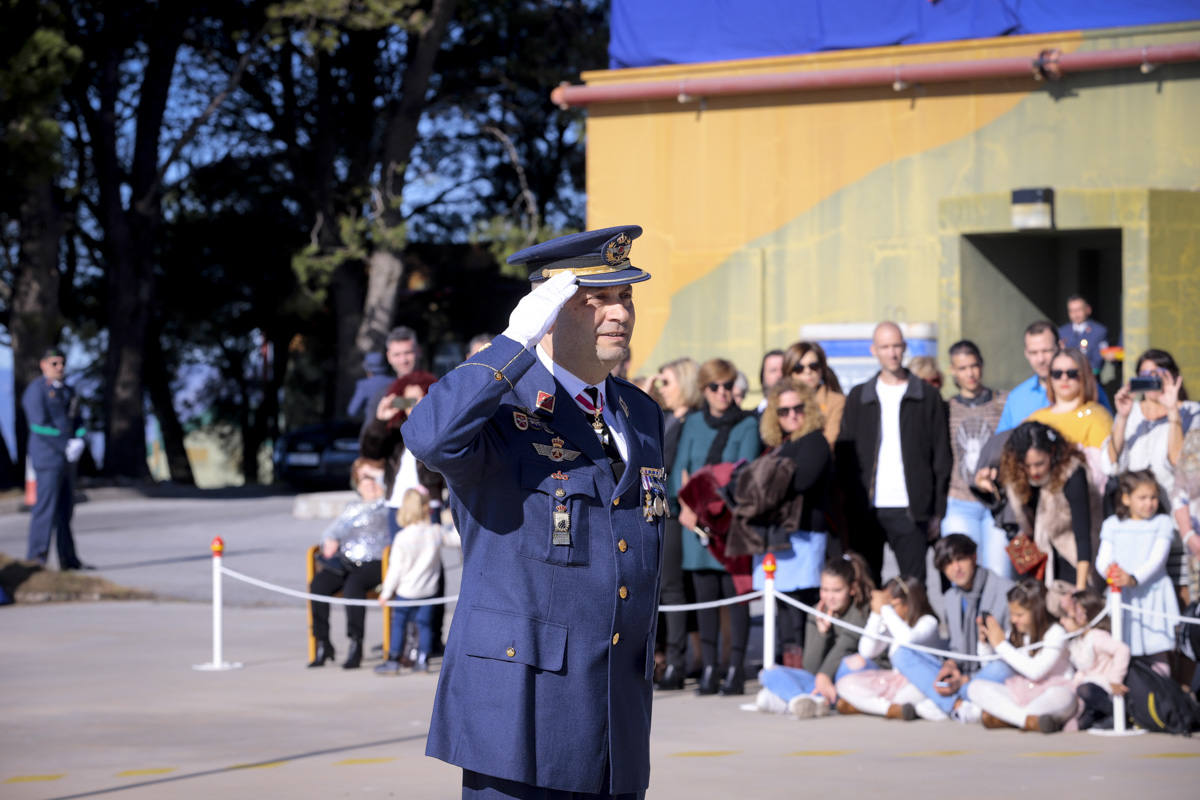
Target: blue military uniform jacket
550	657
1094	337
53	421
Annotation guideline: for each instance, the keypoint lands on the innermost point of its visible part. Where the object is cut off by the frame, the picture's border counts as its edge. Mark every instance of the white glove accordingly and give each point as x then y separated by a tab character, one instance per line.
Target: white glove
536	312
74	449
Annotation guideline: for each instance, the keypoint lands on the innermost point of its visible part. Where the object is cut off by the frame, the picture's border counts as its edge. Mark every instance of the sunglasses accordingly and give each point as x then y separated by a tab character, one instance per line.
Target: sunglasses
802	367
727	385
1059	374
787	411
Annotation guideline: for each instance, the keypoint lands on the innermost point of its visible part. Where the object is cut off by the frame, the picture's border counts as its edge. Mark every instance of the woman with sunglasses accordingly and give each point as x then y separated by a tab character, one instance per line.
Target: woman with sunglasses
722	433
678	391
1074	411
1149	434
791	426
805	361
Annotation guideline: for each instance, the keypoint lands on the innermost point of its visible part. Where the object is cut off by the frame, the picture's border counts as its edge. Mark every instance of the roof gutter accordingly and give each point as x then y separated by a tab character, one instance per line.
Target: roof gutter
1047	65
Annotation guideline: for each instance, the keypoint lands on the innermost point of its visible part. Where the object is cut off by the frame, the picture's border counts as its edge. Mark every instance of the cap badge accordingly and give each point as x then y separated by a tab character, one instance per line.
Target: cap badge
616	250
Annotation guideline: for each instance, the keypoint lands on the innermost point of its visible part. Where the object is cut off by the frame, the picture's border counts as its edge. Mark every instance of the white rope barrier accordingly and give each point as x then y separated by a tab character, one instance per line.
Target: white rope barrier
728	601
1176	618
923	648
335	601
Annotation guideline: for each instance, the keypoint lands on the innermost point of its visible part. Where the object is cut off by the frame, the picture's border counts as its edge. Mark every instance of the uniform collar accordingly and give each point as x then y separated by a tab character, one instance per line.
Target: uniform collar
572	384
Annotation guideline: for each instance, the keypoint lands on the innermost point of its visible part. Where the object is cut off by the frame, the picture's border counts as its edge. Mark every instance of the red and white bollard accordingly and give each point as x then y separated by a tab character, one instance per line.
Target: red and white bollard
218	657
1116	617
768	611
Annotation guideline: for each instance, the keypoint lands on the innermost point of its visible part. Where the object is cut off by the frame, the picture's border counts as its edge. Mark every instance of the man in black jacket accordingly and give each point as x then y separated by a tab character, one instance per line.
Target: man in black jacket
894	460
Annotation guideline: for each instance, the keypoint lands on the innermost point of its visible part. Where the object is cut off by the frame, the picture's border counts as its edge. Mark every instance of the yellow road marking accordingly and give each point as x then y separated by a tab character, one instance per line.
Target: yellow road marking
820	752
1060	753
35	778
926	753
264	765
1172	755
705	753
353	761
134	773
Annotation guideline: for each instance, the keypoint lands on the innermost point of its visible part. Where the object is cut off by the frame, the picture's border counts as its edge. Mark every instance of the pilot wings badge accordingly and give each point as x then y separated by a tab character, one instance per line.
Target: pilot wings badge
556	450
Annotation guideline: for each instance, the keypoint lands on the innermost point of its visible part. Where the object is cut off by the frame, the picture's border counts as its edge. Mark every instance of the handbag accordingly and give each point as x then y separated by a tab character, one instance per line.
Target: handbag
1026	557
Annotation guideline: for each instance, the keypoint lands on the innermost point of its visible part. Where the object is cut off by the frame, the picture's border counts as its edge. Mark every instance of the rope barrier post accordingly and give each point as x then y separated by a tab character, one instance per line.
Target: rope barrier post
218	662
1116	618
768	611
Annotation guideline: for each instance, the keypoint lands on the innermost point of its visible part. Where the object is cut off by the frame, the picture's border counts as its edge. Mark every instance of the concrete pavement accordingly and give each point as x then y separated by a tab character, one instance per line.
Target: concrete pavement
101	700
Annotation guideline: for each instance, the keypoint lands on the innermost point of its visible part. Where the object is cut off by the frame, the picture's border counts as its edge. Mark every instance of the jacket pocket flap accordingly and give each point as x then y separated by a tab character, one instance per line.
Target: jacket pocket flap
546	476
514	637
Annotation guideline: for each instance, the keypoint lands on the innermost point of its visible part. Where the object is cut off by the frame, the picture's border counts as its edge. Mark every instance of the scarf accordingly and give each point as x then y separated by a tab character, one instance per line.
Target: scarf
722	425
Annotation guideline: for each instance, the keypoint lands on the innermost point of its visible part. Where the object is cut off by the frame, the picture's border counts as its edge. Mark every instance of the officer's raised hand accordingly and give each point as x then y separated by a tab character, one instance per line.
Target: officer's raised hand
534	316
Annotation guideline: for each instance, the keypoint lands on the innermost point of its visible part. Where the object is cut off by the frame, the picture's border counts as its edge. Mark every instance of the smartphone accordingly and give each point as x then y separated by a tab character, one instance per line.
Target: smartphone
985	616
403	402
942	684
1145	383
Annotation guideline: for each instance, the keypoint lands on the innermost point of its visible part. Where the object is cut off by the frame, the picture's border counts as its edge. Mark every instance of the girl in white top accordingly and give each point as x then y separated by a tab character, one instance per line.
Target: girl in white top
413	566
900	611
1134	544
1041	696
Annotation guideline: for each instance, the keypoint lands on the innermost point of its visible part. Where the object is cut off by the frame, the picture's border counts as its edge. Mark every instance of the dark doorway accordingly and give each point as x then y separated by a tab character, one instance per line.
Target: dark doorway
1012	279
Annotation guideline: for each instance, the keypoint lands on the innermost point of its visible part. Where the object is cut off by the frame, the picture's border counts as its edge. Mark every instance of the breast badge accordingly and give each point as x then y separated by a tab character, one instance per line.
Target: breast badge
562	526
556	451
521	420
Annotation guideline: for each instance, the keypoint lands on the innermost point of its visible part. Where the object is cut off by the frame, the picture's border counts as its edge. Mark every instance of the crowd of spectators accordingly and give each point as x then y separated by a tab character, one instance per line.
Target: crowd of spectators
1027	502
1024	501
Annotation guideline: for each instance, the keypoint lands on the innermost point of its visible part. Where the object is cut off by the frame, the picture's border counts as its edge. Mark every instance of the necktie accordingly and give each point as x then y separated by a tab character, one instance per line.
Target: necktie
590	400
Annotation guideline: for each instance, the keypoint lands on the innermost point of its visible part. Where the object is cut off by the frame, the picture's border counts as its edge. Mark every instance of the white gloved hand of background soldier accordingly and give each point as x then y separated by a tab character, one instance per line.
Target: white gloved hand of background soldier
535	314
74	450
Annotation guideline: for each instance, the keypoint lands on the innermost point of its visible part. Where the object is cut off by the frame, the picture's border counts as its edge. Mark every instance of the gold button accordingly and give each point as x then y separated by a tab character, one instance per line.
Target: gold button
616	501
560	492
622	545
510	652
616	638
497	376
623	592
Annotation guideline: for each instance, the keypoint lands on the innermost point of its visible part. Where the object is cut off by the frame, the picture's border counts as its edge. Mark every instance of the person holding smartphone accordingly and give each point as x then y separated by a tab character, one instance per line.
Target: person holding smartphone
1148	433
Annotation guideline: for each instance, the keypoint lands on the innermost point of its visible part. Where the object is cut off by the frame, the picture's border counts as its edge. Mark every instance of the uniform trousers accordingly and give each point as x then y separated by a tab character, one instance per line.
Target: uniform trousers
51	513
477	786
354	584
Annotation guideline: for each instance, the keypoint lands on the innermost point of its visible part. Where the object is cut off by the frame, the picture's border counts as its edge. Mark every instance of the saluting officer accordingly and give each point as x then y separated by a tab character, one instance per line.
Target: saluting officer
555	471
55	443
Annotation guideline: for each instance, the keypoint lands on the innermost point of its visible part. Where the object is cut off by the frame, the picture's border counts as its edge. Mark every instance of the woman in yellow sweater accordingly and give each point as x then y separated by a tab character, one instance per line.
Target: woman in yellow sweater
1073	410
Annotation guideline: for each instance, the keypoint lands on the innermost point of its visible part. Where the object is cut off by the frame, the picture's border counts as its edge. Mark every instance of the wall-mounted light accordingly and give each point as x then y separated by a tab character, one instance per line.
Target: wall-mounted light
1033	208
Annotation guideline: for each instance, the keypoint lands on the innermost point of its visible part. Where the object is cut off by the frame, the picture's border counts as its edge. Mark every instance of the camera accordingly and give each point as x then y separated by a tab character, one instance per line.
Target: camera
1145	383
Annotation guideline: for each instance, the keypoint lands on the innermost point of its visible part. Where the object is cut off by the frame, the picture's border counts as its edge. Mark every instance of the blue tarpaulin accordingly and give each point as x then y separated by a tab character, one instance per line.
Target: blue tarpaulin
650	32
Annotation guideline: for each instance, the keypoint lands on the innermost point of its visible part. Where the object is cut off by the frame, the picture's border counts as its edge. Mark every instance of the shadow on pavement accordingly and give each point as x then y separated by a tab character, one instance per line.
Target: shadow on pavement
157	562
221	770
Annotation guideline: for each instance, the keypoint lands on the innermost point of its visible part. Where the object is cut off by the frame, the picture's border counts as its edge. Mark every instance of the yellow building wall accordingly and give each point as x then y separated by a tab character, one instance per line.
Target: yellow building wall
764	213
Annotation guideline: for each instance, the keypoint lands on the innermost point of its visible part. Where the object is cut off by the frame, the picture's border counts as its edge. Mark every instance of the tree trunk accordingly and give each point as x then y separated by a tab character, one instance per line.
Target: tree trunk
158	384
384	271
346	292
36	320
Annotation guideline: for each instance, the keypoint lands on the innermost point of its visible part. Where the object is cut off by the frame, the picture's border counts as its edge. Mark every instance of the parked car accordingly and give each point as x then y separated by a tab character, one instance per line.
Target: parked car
317	455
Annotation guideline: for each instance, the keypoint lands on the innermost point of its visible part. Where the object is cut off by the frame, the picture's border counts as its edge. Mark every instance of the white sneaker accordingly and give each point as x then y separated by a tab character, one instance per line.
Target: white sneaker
802	706
768	701
822	705
967	713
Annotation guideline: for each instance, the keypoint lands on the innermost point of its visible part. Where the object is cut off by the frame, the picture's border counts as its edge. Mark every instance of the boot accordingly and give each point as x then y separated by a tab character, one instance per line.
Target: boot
993	722
708	680
324	653
734	683
905	712
843	707
672	678
1042	722
354	657
421	663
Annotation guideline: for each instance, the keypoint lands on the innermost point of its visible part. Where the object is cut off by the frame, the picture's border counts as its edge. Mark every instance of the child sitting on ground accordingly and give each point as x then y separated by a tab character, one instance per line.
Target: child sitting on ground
413	566
1041	696
901	611
1100	661
810	692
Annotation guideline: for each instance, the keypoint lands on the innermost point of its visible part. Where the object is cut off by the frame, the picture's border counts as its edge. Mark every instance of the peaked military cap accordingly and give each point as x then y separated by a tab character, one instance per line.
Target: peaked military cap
598	258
